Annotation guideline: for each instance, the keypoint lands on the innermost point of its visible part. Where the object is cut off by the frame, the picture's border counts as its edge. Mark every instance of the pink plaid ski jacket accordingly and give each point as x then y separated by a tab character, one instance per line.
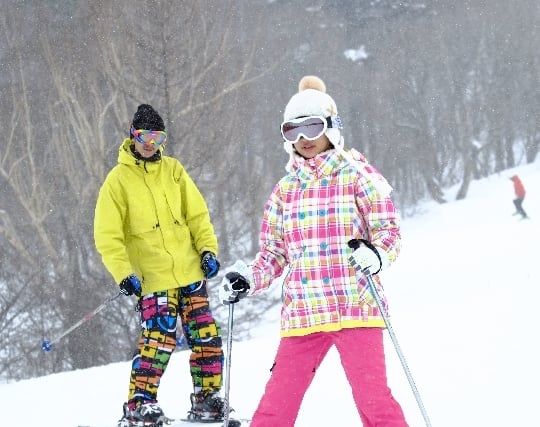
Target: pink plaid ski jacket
310	216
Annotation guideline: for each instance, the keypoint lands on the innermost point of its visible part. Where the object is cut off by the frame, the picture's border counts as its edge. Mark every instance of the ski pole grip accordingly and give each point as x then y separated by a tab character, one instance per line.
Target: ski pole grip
354	244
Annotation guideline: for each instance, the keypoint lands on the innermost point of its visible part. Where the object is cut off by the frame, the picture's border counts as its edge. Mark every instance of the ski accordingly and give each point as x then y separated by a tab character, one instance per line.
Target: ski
233	422
184	422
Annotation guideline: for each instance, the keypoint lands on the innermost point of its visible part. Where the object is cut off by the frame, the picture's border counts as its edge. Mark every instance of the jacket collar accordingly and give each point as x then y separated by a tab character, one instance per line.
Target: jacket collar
319	166
127	157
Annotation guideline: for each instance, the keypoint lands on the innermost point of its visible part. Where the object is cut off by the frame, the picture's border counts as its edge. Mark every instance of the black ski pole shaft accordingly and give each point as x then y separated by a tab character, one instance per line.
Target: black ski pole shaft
47	345
355	244
228	365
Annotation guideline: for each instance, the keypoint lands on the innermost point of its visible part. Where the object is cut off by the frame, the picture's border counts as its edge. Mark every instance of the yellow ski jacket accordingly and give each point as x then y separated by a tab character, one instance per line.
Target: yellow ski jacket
151	220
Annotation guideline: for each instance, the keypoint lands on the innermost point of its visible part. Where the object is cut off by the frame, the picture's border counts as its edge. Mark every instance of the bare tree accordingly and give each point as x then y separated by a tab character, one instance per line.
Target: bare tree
446	95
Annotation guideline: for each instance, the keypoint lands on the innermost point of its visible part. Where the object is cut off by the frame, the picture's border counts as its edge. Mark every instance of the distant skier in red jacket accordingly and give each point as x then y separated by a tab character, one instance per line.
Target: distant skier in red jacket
519	190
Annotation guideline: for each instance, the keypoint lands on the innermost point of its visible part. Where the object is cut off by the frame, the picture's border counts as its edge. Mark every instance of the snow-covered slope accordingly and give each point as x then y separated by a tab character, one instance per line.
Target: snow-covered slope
463	298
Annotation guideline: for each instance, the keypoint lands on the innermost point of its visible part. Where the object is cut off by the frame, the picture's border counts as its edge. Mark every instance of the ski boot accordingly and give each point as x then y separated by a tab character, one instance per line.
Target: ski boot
145	415
207	407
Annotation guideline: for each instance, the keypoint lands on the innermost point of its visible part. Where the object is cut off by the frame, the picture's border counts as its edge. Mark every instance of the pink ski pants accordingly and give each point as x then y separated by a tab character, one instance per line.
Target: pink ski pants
362	357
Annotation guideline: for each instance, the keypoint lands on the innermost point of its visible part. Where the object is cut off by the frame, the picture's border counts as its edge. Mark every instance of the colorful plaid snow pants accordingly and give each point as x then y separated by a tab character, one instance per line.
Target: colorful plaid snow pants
159	313
362	357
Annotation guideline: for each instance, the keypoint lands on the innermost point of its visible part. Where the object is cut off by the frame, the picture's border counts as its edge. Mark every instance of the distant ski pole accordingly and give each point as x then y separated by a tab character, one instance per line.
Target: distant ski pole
47	345
355	244
228	365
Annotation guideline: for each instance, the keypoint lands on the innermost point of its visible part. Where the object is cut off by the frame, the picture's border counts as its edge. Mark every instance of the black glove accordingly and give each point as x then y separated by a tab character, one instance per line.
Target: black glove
131	285
233	288
209	264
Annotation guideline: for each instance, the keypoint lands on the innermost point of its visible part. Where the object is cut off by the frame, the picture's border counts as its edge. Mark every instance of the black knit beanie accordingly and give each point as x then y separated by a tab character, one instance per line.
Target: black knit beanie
147	118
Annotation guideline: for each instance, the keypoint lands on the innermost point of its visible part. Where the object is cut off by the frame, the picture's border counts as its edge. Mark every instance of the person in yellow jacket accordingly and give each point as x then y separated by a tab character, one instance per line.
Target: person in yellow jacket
153	230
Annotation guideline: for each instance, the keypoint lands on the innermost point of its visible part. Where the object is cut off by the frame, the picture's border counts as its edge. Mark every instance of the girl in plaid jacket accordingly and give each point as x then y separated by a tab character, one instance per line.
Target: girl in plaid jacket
329	196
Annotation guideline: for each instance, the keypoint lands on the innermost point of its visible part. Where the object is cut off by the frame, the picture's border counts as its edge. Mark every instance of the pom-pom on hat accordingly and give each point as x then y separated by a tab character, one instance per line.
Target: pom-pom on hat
147	118
312	100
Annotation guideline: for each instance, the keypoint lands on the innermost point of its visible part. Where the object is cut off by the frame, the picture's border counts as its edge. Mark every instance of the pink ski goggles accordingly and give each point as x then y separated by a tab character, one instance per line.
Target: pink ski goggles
154	137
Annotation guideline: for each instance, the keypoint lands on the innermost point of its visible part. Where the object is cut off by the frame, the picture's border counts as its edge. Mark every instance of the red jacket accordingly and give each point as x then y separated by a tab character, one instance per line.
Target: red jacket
519	189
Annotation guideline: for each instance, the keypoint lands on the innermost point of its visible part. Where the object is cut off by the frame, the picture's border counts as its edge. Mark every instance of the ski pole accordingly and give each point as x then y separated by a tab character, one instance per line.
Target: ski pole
47	345
228	365
355	244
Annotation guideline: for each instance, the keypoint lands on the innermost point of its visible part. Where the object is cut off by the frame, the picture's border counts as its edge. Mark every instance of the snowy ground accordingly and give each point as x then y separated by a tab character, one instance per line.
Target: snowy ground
462	297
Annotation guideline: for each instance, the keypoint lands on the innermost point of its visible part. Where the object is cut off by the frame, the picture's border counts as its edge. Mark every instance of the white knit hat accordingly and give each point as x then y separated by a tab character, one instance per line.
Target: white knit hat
312	100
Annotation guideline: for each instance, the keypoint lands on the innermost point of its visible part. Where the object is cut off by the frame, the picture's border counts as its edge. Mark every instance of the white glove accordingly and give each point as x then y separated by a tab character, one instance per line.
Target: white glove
236	284
368	257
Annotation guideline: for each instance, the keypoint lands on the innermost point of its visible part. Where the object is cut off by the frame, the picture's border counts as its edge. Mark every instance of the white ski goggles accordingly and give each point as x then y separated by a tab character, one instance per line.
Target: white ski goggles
311	127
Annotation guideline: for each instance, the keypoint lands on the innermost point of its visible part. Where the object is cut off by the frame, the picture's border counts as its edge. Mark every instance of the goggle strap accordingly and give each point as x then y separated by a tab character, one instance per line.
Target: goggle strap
132	130
334	122
328	122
